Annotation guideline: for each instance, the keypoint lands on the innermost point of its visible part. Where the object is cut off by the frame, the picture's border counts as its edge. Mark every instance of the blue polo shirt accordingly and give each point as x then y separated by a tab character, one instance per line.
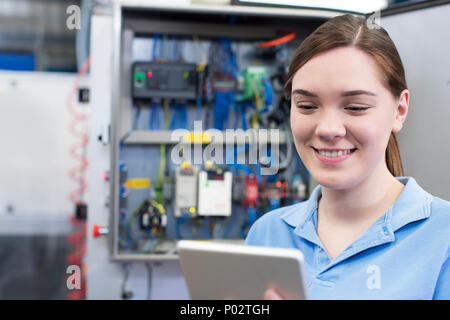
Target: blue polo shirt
403	255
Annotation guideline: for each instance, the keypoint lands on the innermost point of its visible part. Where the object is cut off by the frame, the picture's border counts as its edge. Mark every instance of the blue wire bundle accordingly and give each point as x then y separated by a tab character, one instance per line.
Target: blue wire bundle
179	116
157	46
154	122
223	100
222	103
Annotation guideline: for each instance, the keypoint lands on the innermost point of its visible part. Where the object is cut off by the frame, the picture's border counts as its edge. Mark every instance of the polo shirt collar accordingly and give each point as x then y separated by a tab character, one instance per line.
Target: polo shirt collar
413	204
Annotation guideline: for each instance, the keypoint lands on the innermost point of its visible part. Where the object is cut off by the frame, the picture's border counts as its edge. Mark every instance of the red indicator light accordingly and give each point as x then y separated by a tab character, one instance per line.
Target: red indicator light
278	184
284	184
149	74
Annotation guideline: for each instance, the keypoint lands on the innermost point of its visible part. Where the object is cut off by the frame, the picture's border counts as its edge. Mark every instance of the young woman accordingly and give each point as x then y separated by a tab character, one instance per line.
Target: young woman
367	231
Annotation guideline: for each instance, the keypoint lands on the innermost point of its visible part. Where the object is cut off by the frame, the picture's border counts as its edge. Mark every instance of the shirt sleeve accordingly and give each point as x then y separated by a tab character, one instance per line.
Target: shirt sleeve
442	290
253	236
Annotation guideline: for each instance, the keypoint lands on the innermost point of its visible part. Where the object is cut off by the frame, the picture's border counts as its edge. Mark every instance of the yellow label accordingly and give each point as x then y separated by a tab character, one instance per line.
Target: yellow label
186	165
209	164
200	67
138	183
197	137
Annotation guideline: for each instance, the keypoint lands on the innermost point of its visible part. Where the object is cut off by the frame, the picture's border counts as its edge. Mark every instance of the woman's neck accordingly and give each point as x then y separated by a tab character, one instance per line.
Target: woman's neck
364	203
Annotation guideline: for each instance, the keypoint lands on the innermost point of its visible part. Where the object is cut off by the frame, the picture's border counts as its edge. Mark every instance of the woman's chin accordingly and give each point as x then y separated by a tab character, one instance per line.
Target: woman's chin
335	181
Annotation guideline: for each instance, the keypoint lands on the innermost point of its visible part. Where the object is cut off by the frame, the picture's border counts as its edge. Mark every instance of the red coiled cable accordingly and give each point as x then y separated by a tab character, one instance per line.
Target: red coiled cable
78	151
79	148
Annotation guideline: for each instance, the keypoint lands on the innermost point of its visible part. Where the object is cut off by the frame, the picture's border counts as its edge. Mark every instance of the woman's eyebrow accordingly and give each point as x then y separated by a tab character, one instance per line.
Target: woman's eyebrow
357	92
305	93
344	94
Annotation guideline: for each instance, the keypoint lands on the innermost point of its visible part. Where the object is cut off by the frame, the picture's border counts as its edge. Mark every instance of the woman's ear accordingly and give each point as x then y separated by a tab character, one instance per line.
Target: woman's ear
401	110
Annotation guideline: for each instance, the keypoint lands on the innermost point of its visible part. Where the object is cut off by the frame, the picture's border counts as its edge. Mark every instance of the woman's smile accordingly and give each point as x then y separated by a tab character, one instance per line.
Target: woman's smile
333	156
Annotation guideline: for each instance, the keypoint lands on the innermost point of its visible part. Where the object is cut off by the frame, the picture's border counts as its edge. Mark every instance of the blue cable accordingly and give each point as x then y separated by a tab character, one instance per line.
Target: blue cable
258	172
183	115
158	116
179	116
223	101
251	215
175	52
205	228
180	221
157	39
126	244
244	116
258	213
154	121
137	112
173	120
236	114
244	226
150	118
232	103
268	95
178	230
218	110
229	63
199	108
274	203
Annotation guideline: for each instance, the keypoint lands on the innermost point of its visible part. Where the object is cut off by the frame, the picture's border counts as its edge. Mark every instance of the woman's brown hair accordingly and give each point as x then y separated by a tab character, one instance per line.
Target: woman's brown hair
348	30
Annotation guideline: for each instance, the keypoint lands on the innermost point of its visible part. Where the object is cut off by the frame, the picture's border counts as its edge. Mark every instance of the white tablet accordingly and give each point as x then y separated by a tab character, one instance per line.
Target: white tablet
216	271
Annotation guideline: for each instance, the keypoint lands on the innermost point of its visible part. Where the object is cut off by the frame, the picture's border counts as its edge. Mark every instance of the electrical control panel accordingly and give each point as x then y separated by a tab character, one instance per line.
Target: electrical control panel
179	75
165	80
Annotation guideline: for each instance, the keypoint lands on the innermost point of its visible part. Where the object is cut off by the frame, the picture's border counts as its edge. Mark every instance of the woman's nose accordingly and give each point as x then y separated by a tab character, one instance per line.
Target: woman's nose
330	126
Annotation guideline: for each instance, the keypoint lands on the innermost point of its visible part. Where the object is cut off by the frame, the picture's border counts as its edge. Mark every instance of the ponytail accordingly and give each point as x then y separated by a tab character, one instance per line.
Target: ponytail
393	158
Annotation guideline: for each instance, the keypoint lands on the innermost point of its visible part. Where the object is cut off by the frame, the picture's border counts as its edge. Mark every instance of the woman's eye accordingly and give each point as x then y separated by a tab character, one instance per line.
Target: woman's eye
357	108
305	107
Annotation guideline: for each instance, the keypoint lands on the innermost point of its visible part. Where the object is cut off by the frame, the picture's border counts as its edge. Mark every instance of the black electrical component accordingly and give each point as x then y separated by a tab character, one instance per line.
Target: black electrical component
81	211
151	216
165	80
123	176
83	95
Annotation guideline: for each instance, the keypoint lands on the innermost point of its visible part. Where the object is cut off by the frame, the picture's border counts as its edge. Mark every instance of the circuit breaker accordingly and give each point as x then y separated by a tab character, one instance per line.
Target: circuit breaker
185	190
214	193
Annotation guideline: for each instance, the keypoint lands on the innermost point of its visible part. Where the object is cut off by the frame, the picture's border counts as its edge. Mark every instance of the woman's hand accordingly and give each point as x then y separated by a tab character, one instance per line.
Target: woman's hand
272	294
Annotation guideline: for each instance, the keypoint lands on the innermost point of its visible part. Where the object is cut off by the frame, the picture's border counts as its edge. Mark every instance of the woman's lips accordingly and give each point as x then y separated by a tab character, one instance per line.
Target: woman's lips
333	160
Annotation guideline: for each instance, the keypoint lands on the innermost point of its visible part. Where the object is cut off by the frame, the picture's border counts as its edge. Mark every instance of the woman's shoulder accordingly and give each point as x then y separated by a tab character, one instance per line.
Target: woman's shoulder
275	228
440	207
415	203
440	213
276	225
283	214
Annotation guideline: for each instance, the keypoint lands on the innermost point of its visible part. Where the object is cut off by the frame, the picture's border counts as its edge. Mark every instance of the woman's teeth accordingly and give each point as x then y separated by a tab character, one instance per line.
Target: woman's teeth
333	154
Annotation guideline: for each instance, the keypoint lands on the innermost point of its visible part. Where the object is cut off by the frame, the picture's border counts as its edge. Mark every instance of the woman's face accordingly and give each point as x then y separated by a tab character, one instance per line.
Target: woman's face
342	116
